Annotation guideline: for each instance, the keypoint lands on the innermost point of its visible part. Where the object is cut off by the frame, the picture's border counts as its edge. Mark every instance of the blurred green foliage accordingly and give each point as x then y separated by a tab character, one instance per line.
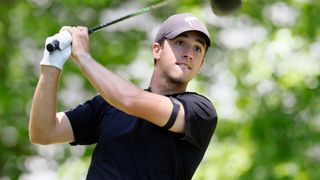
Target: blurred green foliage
262	74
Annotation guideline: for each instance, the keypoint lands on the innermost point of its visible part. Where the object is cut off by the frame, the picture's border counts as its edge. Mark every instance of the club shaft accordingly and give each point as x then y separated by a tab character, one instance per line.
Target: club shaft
55	44
146	9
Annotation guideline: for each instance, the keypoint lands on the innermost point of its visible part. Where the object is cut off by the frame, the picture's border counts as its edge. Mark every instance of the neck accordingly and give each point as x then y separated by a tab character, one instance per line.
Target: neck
162	86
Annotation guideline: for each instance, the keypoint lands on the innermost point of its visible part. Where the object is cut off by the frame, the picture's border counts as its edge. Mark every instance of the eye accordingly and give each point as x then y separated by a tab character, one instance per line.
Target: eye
180	43
197	49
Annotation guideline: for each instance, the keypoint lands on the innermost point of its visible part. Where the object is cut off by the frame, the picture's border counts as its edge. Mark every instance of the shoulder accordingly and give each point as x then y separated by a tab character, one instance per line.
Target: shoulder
198	102
200	118
98	101
94	105
198	109
193	96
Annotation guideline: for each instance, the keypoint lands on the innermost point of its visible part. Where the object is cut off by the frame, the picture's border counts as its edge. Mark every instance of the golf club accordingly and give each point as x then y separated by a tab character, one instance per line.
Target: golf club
225	7
55	44
219	7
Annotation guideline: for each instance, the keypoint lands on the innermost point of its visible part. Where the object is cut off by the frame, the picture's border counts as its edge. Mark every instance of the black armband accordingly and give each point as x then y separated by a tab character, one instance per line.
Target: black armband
174	113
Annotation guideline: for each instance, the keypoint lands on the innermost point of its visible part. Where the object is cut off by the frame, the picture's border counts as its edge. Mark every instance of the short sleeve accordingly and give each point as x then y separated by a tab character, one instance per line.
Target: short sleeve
85	120
200	119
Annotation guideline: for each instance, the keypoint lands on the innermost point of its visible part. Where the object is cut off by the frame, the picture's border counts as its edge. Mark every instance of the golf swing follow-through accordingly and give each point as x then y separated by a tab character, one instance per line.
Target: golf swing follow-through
219	7
160	132
55	44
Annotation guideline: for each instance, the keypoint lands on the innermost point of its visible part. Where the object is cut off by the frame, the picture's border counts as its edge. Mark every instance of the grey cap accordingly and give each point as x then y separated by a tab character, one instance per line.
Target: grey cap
180	23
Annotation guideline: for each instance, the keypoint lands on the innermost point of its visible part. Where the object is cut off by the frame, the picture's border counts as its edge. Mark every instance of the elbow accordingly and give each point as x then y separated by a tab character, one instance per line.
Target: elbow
128	101
36	138
38	141
38	134
127	104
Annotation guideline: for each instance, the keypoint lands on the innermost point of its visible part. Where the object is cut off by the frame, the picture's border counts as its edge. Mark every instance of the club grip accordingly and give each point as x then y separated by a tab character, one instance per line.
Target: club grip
52	46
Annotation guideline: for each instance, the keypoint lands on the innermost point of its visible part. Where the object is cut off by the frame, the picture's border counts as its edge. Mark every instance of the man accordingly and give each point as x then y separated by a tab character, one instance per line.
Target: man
158	133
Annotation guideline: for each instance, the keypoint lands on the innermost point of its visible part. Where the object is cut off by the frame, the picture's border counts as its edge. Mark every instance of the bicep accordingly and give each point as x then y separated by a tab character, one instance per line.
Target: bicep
62	131
157	110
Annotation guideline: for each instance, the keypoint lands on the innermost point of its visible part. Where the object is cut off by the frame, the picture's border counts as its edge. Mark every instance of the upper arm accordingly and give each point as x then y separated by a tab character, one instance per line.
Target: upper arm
156	109
200	119
62	131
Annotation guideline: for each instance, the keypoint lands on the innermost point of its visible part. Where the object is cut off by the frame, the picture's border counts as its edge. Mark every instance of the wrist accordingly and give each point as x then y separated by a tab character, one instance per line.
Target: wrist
49	74
83	59
47	69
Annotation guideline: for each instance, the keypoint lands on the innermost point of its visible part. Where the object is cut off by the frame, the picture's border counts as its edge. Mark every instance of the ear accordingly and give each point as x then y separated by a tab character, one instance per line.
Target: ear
156	50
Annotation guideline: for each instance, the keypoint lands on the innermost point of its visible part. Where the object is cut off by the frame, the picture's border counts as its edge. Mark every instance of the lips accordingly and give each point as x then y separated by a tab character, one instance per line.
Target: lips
184	65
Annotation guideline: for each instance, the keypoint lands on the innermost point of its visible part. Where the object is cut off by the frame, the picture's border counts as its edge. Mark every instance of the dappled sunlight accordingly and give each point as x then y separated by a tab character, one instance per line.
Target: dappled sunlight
281	14
40	168
47	164
241	32
261	73
9	136
225	160
288	169
139	22
313	153
75	90
40	3
224	93
139	70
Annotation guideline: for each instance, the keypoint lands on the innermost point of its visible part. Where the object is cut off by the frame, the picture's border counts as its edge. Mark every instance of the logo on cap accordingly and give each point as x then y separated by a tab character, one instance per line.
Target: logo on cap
190	19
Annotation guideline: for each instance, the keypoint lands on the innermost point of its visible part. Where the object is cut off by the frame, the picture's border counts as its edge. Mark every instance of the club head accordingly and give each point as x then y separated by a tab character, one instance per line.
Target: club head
225	7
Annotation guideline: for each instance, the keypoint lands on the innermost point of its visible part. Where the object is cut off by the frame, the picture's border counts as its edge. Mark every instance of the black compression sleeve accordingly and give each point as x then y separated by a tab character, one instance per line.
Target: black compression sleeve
174	113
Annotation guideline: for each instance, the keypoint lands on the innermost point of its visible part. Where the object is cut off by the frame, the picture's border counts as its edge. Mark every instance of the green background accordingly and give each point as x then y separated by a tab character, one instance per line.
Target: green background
262	74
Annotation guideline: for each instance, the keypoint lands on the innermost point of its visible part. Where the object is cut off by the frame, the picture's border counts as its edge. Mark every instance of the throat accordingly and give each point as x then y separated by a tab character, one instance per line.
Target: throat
162	83
166	88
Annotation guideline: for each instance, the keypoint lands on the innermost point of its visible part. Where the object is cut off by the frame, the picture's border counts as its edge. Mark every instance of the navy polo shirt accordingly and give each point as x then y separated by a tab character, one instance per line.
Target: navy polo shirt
128	147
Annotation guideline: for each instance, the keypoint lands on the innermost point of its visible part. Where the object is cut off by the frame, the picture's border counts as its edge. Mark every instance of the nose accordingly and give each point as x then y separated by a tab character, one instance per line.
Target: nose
188	53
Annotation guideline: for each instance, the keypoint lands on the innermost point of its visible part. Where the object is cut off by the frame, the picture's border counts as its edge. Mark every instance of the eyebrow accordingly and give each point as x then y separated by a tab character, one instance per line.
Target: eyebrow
199	39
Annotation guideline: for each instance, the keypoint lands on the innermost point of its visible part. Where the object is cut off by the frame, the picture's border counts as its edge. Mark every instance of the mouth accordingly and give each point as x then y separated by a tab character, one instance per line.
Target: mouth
183	65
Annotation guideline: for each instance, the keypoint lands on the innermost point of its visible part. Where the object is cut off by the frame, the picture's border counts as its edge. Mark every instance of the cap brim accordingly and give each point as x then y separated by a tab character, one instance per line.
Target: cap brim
177	32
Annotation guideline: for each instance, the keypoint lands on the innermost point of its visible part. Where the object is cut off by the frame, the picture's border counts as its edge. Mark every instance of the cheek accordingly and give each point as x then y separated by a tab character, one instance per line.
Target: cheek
197	64
168	56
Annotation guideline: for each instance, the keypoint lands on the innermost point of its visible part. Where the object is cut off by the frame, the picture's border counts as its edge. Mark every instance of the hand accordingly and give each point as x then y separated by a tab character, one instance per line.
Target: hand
58	57
80	43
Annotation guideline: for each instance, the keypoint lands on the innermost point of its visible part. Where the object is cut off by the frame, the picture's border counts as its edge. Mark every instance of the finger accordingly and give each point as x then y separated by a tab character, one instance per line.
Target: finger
65	28
64	39
83	29
74	30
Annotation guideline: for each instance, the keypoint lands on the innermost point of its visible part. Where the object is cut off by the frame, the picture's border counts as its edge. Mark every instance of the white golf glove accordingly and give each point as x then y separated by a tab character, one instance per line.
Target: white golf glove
58	57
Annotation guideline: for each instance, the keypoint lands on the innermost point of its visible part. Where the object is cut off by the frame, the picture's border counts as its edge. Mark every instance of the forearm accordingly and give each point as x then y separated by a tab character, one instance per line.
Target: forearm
127	97
117	91
44	105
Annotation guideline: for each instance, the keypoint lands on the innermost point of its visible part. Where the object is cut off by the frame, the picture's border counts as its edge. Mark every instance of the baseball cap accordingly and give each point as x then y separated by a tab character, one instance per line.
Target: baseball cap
180	23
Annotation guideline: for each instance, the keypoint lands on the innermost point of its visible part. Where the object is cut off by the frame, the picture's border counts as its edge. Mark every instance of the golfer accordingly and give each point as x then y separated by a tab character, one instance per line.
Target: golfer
160	132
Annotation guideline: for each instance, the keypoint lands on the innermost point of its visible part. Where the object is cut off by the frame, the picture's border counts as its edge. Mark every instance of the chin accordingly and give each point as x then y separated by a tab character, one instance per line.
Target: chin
180	79
179	76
